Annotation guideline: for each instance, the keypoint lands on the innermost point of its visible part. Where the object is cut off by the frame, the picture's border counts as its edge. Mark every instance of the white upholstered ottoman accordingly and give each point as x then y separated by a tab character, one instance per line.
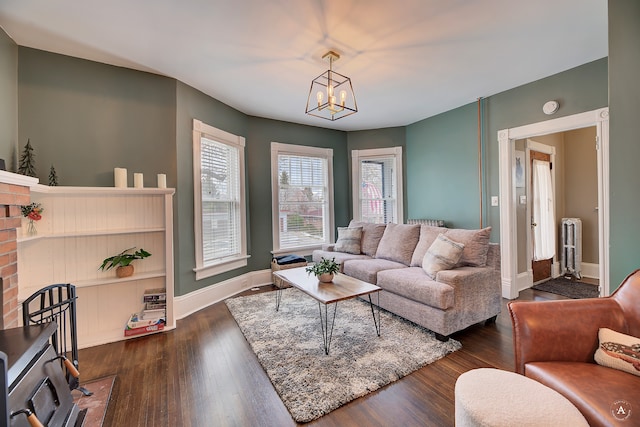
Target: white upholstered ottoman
491	397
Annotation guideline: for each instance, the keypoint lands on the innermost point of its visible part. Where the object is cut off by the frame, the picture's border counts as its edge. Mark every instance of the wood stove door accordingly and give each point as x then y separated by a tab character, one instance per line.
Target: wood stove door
44	391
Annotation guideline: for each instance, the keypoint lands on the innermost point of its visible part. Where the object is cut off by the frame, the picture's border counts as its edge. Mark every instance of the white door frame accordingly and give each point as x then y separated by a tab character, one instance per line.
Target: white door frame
508	235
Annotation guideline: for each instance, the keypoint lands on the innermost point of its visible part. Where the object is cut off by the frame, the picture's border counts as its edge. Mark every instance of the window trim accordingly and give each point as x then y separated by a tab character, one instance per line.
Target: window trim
222	265
356	157
278	148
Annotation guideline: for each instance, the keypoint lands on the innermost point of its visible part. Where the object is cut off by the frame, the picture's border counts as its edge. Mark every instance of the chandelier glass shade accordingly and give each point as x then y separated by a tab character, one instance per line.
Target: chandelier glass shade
331	94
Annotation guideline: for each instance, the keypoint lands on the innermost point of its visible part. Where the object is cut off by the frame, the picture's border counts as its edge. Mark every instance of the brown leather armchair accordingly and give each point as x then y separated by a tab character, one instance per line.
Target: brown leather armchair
555	341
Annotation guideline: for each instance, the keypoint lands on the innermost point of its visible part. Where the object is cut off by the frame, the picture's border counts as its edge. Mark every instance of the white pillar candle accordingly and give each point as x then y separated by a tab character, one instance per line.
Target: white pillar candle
120	177
162	180
138	181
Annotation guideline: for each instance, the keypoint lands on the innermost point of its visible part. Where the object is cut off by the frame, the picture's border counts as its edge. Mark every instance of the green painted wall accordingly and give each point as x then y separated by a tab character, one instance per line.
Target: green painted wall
258	133
442	168
8	99
624	134
86	118
378	138
442	151
193	104
262	132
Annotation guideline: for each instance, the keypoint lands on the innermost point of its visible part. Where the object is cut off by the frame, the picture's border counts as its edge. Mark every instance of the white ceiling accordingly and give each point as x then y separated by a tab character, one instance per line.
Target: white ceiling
407	59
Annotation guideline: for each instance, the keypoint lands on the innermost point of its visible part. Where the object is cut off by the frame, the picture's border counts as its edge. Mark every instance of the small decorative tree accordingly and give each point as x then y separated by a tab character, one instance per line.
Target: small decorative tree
27	161
53	177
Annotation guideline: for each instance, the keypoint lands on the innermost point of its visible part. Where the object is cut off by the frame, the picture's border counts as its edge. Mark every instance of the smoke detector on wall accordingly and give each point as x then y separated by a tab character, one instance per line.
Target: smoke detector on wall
550	107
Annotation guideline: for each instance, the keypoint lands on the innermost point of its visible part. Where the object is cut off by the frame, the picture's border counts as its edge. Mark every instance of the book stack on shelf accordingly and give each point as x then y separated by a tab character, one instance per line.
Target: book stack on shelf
152	317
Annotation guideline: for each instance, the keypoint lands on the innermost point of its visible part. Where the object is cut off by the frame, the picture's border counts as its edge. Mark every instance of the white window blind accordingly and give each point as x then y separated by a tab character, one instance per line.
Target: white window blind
378	174
220	173
219	200
303	209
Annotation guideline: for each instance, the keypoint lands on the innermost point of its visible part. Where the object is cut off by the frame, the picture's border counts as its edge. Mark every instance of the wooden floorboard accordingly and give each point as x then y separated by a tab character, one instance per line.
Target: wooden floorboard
204	373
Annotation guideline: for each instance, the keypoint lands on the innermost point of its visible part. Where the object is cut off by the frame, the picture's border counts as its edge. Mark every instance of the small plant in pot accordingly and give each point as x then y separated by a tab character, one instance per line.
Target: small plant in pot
122	261
324	270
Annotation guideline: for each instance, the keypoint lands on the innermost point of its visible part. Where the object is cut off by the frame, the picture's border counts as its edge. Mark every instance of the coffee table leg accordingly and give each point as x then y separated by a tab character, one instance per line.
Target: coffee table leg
327	330
376	322
278	297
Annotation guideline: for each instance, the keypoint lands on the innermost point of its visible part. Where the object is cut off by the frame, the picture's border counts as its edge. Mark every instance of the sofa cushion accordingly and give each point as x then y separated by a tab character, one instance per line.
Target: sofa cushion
618	351
413	283
476	245
398	242
443	254
371	235
428	235
367	269
590	387
349	240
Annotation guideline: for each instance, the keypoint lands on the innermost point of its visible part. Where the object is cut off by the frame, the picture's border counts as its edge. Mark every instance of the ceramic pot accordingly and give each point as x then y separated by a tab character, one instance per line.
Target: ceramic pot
124	271
326	277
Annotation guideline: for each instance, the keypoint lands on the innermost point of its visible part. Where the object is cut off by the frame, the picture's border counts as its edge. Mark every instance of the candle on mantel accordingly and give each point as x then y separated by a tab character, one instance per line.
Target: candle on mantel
138	181
162	180
120	177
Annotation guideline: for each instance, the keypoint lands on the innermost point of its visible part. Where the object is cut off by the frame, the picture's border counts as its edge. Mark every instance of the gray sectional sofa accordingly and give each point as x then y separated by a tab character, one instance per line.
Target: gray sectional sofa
400	258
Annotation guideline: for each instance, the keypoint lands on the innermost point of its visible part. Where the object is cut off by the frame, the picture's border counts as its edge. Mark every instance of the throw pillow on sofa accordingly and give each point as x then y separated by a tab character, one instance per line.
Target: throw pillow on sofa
476	245
349	240
428	235
371	235
618	351
443	254
398	242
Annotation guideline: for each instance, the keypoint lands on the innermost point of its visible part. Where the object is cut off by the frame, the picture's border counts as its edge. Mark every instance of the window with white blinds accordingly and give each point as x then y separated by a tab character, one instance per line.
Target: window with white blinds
220	208
302	189
377	185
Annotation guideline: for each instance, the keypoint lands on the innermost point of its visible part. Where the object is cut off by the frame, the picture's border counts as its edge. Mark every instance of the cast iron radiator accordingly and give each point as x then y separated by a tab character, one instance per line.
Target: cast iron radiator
571	252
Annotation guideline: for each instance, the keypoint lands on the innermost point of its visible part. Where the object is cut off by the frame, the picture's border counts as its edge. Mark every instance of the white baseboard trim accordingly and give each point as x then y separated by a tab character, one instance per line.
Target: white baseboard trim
591	270
524	280
185	305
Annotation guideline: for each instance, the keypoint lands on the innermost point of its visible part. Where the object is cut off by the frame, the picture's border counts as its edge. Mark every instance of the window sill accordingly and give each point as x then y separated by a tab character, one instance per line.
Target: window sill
302	251
221	267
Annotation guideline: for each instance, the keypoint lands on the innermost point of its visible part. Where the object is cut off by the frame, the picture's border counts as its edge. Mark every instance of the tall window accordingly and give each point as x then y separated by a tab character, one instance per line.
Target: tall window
302	194
377	185
219	200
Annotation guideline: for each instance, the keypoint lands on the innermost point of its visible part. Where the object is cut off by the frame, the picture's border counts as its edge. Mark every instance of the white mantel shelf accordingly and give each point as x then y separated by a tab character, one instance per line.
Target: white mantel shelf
17	179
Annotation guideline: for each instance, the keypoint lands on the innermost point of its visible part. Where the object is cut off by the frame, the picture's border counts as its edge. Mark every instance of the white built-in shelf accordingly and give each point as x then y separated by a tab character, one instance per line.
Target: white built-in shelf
27	238
80	227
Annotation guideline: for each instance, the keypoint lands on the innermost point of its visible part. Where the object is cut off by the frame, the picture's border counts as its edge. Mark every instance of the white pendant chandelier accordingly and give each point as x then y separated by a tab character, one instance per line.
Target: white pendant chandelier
331	95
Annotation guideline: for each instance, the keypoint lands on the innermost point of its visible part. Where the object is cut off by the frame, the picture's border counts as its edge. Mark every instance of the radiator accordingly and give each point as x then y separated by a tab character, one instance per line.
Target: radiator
571	251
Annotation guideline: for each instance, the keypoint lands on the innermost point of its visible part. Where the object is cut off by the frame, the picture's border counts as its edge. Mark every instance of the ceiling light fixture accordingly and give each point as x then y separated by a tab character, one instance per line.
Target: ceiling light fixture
331	94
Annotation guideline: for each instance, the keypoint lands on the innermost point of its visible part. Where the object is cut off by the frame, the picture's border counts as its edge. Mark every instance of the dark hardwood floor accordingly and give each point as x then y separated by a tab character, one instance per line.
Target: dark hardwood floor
204	373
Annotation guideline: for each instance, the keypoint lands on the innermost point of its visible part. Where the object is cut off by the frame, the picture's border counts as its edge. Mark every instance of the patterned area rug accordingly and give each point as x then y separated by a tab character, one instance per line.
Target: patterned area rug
96	404
288	344
569	288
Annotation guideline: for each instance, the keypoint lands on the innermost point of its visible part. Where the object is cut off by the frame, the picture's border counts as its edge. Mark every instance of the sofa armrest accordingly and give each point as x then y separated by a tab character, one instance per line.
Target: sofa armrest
329	247
562	330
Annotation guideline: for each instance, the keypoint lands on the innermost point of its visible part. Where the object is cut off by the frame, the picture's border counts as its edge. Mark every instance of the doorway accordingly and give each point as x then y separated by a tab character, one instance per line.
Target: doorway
512	280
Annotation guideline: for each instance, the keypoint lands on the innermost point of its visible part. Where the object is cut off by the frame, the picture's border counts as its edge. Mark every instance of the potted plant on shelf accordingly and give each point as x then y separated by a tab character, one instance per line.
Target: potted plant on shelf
123	261
324	270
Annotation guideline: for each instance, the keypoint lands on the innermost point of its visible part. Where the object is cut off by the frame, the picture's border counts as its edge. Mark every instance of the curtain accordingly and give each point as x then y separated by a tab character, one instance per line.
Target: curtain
544	233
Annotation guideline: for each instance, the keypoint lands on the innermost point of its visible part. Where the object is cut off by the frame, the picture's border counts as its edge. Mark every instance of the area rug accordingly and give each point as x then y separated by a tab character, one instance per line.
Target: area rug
288	344
96	404
569	288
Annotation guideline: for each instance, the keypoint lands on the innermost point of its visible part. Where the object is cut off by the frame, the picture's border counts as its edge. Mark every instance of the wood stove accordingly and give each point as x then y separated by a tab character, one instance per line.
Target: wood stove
37	387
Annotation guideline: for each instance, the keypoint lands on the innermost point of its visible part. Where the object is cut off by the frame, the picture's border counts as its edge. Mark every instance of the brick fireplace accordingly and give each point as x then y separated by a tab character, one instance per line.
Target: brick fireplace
14	192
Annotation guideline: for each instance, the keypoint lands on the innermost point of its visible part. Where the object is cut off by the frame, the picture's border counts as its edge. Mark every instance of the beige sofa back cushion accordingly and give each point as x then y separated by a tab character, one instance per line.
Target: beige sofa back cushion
371	235
476	245
428	235
398	242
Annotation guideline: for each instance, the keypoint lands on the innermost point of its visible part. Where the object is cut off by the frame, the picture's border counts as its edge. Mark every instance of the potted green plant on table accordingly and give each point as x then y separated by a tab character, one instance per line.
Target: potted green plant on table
324	270
123	261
